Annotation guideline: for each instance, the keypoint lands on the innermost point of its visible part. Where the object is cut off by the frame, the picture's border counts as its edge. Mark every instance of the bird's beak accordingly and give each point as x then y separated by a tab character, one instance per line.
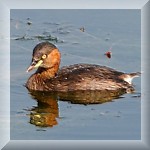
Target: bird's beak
34	65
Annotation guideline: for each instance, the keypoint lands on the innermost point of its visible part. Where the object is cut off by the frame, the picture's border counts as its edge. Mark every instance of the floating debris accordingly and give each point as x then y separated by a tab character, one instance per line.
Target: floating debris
82	29
40	38
46	37
24	38
20	38
28	21
107	39
108	54
136	96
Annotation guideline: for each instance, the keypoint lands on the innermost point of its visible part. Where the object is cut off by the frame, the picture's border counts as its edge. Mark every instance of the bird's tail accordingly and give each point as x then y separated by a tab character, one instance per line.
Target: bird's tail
128	77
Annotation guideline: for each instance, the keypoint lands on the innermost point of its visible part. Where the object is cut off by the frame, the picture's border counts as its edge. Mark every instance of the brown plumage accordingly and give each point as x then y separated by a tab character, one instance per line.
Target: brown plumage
78	77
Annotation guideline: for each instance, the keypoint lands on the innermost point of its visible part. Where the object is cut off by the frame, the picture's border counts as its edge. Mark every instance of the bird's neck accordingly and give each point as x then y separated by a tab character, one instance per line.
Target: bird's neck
39	79
48	72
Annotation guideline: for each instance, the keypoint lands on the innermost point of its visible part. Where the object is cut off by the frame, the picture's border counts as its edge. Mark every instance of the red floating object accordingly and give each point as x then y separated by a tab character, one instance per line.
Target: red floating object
108	54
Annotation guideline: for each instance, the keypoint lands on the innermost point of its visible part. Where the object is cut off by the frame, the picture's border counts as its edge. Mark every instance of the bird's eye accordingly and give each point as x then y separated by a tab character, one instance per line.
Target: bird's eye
44	56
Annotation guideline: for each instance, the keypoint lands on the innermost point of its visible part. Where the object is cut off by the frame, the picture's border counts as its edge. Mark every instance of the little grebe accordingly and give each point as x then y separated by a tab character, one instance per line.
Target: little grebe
48	77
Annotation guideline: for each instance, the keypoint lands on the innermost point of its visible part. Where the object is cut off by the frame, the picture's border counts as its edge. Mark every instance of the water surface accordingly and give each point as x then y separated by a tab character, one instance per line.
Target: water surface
118	30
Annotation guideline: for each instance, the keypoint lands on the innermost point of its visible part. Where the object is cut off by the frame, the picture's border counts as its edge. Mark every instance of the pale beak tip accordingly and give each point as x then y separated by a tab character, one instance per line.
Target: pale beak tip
30	68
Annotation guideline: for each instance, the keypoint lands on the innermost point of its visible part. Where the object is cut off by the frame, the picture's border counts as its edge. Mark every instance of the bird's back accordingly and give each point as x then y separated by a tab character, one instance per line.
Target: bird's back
87	77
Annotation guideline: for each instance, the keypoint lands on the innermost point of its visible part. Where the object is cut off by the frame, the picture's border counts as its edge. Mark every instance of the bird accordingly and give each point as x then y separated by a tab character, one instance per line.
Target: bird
49	77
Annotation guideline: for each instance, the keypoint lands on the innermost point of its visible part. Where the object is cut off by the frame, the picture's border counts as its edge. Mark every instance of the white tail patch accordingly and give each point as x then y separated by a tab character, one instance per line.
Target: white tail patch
129	77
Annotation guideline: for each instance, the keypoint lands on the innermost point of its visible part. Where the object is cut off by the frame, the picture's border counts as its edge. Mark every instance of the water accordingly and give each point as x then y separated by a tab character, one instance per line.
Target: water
104	29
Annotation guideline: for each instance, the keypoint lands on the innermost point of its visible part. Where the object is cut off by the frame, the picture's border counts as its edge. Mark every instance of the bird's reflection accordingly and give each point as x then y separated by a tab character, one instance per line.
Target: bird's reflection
47	110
